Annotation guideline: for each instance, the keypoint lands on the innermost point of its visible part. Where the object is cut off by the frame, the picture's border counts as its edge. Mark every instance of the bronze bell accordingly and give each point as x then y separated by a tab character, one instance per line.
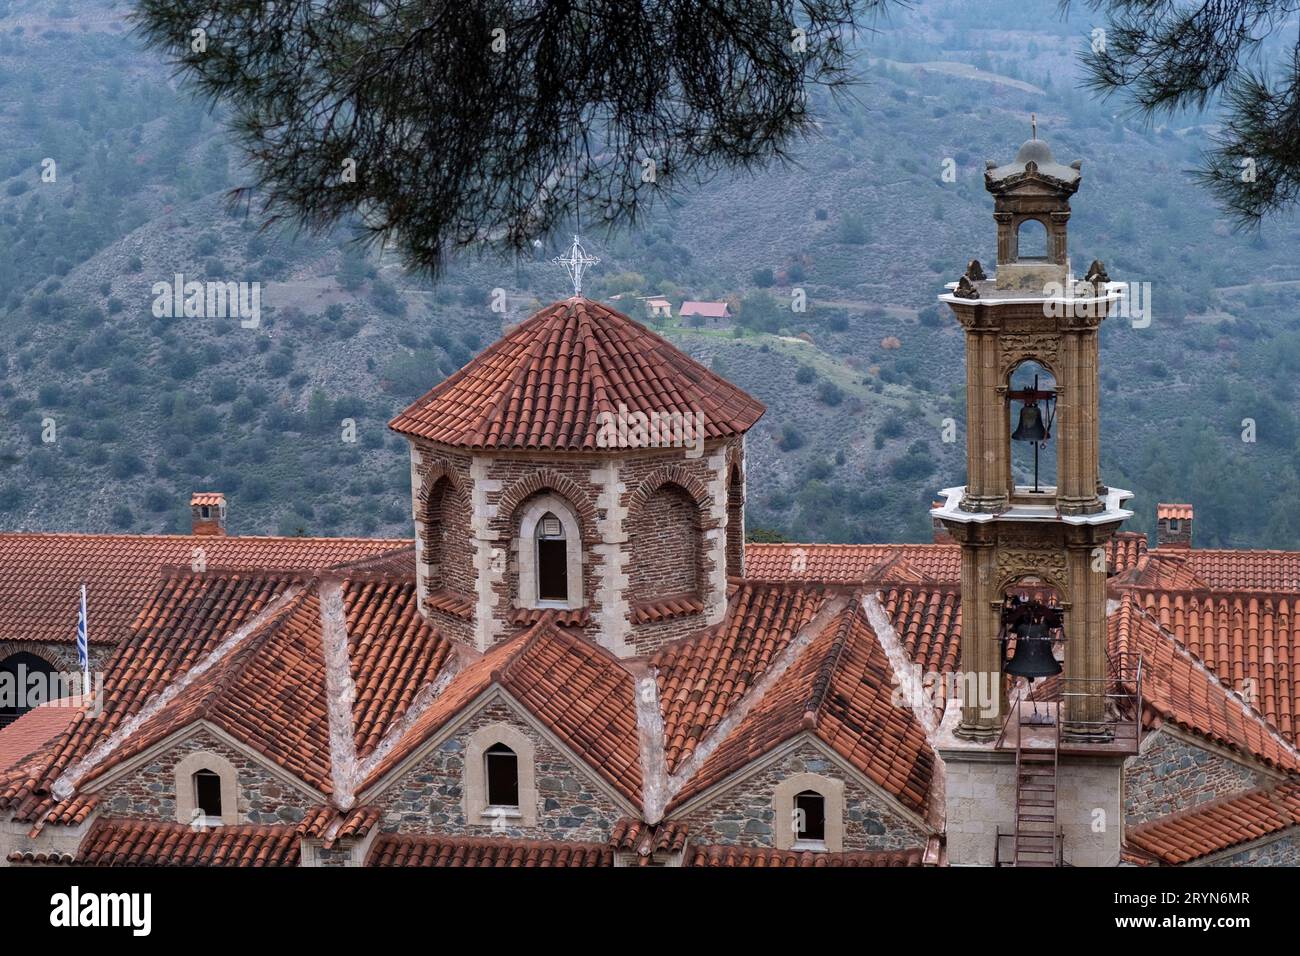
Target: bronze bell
1033	657
1030	427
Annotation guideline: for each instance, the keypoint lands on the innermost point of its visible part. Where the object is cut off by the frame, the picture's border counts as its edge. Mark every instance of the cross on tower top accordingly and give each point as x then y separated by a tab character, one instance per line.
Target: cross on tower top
576	263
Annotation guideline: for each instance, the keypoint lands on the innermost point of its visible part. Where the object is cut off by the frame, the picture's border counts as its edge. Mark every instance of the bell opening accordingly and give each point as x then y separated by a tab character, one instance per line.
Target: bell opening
1031	633
1031	397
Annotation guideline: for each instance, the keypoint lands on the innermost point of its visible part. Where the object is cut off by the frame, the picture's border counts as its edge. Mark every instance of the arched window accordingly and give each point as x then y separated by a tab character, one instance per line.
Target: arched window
501	769
735	524
207	796
19	693
549	546
552	560
1031	241
809	811
810	816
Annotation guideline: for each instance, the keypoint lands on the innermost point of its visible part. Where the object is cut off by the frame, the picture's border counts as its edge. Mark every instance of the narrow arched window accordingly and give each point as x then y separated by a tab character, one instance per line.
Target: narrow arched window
810	816
502	772
552	560
207	795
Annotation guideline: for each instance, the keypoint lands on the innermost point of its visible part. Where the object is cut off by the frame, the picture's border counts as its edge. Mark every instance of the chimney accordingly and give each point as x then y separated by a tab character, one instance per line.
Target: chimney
1173	526
208	512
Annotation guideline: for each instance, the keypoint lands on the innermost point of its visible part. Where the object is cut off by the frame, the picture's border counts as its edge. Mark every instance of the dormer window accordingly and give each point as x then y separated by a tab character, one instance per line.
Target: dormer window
552	560
501	766
207	798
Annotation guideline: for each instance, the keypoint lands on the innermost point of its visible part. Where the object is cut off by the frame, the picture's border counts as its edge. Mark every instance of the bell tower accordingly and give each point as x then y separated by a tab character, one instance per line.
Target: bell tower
1034	546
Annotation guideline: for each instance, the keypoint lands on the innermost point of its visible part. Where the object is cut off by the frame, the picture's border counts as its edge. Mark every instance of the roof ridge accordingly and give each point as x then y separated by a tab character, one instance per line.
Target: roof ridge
830	663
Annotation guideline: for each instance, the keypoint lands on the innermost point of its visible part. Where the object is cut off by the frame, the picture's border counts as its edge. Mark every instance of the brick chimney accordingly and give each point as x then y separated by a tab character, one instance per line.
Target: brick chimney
1173	526
208	512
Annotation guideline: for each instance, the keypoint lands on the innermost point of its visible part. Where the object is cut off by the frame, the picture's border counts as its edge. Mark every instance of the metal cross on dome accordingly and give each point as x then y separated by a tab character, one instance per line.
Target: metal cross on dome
576	264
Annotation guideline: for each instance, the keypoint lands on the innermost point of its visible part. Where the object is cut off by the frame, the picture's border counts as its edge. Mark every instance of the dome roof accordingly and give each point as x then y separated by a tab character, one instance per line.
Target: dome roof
545	384
1036	150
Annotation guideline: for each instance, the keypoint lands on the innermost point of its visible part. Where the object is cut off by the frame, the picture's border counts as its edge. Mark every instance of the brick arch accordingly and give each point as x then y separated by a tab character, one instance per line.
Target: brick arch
684	479
59	662
548	479
440	469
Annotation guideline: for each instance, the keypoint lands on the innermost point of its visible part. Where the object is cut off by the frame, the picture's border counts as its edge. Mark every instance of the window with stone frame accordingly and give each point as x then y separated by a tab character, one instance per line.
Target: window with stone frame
809	817
549	550
501	771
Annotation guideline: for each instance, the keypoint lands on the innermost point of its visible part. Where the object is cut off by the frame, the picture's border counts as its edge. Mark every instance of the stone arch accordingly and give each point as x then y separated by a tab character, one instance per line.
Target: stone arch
666	526
548	479
525	527
830	789
21	664
1039	232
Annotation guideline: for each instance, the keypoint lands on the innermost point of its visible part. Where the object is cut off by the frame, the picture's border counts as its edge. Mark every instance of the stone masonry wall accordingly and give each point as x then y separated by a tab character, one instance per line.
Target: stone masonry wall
1281	852
744	816
149	791
1172	775
429	798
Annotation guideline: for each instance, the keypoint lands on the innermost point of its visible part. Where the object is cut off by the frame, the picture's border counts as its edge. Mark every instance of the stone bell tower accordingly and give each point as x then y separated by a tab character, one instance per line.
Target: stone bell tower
1023	541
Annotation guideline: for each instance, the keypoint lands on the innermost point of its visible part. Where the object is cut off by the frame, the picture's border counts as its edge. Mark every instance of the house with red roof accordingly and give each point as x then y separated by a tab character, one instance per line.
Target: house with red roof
578	660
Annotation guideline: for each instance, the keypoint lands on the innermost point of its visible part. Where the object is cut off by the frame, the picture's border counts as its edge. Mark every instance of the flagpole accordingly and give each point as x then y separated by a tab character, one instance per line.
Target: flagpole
85	657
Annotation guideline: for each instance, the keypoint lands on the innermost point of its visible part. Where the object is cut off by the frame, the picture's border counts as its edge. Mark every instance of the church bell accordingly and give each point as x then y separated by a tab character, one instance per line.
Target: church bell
1030	427
1033	656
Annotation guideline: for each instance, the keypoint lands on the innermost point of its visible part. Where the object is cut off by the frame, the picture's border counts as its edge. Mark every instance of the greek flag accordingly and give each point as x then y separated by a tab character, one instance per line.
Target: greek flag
83	651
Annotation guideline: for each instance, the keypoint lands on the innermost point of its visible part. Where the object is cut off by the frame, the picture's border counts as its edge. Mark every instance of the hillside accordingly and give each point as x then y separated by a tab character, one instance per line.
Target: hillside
111	415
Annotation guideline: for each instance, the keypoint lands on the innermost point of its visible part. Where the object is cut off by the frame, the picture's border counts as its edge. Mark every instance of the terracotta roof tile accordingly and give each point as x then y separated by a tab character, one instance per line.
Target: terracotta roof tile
928	623
839	688
150	843
41	574
1220	825
848	563
1246	570
663	609
702	678
422	850
1177	686
1249	639
545	384
1175	511
578	690
34	729
632	835
742	856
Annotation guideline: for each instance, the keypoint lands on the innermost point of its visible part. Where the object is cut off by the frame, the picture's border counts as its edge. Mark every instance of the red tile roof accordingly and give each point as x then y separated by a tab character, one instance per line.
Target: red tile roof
41	574
545	384
839	688
267	688
1249	639
743	856
577	689
636	836
889	563
34	729
150	843
1178	687
928	624
712	310
423	850
848	563
1214	827
1246	570
209	498
1175	511
702	678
